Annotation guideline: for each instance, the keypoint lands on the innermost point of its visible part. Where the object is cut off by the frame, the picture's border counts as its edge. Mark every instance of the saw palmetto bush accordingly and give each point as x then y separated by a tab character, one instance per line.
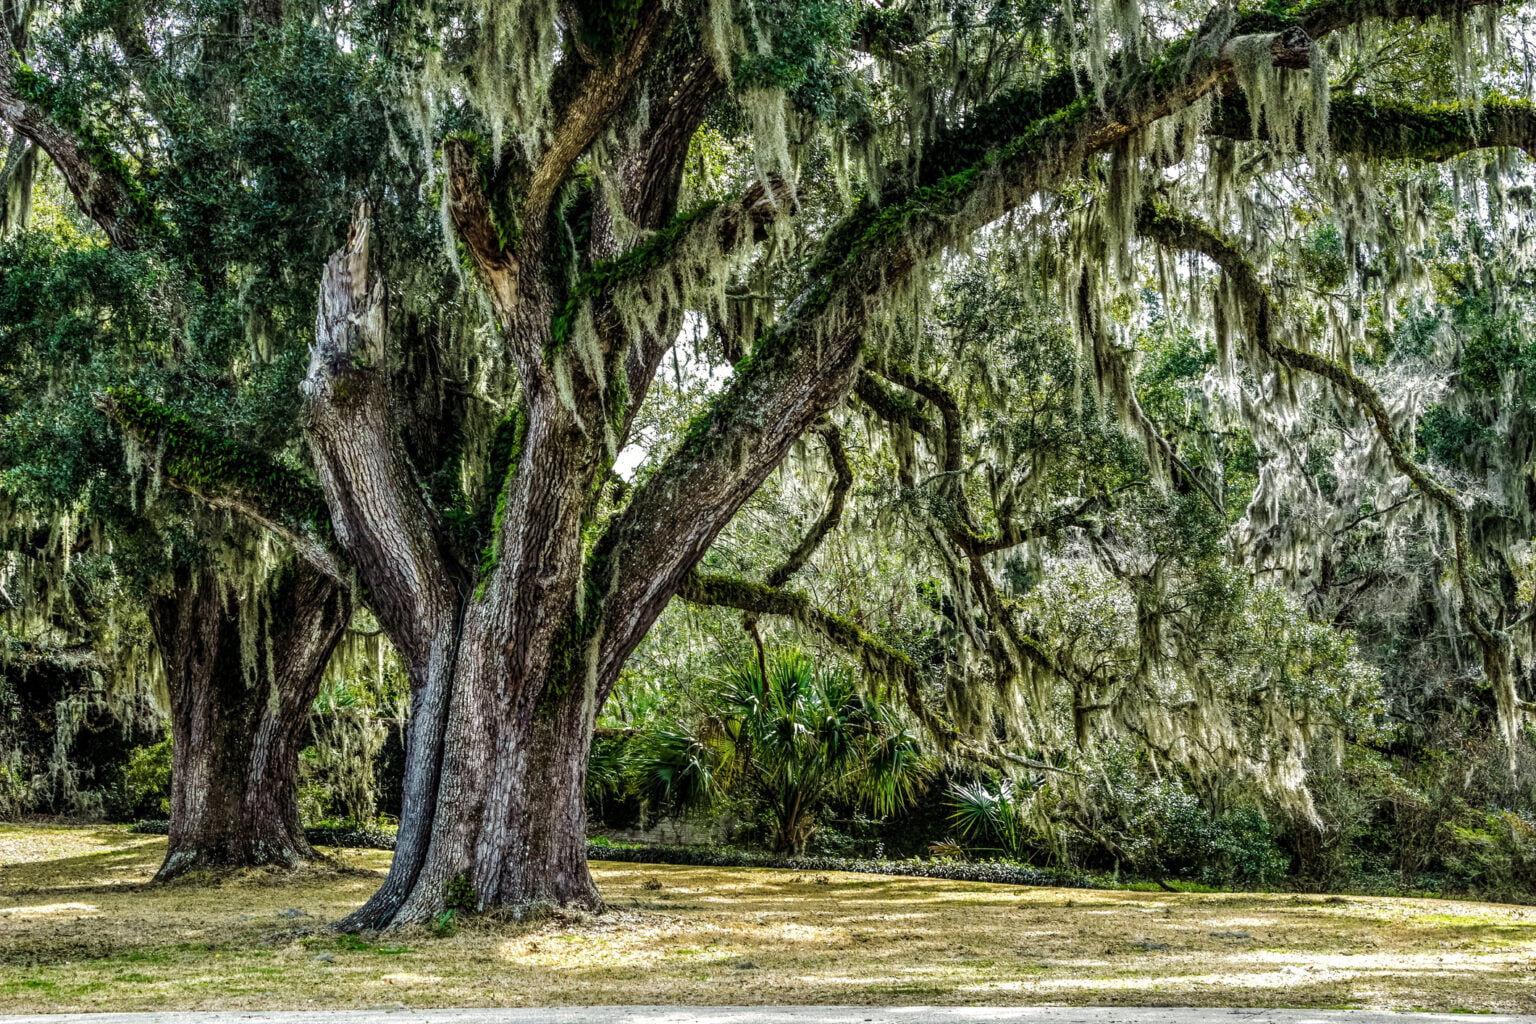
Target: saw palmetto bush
787	742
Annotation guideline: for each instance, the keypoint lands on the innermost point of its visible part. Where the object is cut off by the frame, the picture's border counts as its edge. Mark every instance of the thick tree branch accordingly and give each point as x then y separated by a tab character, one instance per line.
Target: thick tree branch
896	409
380	518
1008	646
604	86
1115	379
1387	129
681	79
951	434
97	178
716	228
948	439
1321	17
226	474
737	224
809	361
490	238
652	172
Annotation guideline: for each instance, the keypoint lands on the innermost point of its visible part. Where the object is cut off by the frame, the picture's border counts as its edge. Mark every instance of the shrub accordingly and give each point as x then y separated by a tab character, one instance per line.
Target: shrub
790	742
146	780
355	836
1492	852
1179	836
977	871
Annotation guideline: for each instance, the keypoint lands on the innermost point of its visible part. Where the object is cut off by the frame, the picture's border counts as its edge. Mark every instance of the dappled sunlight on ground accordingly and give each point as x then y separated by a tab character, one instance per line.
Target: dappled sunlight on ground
77	909
80	928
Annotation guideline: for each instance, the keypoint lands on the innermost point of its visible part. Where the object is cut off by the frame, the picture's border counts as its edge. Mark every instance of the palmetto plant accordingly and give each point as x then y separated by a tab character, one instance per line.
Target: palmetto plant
789	743
998	815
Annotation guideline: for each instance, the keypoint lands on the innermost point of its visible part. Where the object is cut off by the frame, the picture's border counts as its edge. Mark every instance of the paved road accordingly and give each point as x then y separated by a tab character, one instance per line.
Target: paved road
783	1015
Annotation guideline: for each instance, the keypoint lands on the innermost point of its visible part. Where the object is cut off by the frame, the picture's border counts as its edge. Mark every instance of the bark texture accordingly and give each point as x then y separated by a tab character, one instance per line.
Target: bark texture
242	681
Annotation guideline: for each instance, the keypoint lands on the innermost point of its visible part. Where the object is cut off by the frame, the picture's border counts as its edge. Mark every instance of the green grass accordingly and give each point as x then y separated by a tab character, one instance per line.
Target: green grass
84	932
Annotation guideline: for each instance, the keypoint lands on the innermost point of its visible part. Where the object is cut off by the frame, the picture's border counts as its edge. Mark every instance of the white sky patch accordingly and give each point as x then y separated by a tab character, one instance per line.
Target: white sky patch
688	377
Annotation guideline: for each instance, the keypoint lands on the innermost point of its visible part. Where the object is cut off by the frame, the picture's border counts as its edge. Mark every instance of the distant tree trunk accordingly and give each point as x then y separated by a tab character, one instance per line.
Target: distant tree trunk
242	681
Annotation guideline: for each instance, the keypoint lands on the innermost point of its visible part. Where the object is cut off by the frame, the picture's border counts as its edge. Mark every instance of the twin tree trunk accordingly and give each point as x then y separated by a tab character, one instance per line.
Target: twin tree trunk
504	702
506	659
242	673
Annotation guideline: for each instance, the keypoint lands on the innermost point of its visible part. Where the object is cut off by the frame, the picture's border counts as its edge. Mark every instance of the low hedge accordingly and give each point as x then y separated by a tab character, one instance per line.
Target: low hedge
708	857
318	835
957	871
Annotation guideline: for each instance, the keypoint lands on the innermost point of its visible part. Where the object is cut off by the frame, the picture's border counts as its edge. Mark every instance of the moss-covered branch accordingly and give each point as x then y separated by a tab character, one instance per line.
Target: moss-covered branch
1180	231
617	39
718	228
1322	17
1387	129
948	439
876	657
103	186
837	501
227	474
646	258
895	408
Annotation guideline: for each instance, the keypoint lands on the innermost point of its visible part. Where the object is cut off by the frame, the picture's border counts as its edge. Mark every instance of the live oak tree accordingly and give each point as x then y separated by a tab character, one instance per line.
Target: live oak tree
186	138
776	180
566	590
103	563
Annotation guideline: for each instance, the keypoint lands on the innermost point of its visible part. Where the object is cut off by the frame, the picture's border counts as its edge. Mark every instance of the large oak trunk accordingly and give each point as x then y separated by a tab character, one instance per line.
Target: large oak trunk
494	816
512	653
507	825
242	680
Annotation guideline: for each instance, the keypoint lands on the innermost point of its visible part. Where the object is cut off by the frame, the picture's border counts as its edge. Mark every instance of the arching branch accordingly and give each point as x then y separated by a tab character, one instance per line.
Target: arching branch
1388	129
727	227
1321	17
877	658
837	500
97	178
723	227
895	408
1181	231
948	439
223	473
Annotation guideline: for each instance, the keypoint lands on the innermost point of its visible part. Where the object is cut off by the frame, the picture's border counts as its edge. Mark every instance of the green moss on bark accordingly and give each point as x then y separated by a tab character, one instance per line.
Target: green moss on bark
214	466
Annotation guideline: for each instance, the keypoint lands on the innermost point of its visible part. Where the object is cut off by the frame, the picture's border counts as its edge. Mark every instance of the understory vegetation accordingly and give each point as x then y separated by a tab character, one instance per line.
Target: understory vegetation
713	784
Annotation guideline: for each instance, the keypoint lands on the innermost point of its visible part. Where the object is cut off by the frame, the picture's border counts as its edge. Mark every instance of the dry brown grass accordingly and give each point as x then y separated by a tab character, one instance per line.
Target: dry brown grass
80	929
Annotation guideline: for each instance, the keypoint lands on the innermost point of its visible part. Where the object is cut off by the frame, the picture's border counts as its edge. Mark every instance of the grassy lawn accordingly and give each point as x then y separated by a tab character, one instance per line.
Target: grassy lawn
81	930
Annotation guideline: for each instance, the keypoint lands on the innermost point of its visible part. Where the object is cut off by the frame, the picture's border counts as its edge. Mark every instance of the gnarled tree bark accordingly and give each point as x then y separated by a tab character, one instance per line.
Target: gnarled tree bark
242	681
